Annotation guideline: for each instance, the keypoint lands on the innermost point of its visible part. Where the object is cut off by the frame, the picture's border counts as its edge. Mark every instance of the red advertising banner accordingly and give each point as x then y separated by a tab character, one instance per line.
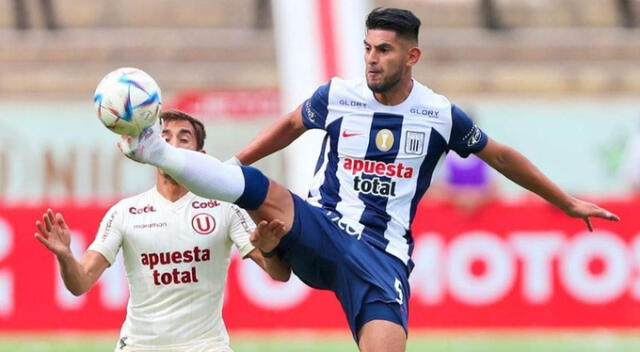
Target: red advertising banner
238	104
504	266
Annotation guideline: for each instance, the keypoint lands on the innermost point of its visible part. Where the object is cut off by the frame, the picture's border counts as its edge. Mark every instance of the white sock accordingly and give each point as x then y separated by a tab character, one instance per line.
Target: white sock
202	174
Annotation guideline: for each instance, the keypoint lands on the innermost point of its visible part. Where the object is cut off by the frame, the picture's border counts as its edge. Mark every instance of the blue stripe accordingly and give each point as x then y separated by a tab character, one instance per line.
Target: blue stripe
320	158
329	191
437	146
409	237
375	216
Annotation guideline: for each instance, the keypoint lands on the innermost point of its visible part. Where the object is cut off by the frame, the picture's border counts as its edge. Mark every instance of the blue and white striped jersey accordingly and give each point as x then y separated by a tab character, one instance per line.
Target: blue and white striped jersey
377	161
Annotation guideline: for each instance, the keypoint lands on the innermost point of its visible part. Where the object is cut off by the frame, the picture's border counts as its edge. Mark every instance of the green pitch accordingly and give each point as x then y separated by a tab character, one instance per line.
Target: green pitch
451	341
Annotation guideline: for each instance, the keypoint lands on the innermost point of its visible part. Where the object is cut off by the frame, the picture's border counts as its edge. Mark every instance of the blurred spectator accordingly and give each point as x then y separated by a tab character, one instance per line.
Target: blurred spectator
490	15
20	10
262	19
631	164
468	183
626	13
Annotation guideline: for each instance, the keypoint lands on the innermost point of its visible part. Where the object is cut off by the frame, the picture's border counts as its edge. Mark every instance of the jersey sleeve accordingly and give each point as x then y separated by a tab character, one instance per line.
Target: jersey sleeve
109	237
240	228
314	109
466	136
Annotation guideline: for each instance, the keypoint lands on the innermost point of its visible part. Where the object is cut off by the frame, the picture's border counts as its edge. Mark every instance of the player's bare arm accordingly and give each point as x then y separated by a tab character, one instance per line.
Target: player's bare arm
520	170
78	276
268	235
273	138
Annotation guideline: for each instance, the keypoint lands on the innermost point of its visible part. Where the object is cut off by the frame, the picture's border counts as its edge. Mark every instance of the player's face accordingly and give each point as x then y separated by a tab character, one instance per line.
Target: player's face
386	58
179	134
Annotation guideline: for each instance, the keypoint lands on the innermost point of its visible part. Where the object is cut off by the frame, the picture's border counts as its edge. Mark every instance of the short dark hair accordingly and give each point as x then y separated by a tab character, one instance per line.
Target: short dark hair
403	22
198	127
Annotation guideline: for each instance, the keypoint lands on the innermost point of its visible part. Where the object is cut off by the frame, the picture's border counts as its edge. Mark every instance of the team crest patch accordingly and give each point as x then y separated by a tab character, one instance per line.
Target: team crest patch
414	142
384	140
203	224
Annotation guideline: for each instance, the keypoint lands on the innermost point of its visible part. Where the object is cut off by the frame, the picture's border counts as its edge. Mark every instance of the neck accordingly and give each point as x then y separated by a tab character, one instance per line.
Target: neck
169	189
396	94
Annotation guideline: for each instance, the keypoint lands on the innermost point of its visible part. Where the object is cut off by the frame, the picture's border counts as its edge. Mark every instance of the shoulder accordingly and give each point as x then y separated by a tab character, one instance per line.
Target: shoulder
135	200
347	93
339	85
428	97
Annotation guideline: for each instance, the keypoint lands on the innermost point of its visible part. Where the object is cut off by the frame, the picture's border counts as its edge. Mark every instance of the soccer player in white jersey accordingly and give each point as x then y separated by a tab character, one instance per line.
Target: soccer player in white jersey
386	135
176	249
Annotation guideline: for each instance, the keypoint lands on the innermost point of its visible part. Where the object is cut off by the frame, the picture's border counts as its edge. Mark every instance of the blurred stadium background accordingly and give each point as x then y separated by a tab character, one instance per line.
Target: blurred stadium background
497	269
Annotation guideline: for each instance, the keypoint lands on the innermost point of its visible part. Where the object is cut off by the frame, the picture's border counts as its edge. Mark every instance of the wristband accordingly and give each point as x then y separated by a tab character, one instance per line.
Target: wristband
269	254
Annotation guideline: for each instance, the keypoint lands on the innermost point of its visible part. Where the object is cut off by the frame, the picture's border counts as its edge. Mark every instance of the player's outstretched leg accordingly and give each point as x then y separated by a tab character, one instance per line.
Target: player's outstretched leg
208	177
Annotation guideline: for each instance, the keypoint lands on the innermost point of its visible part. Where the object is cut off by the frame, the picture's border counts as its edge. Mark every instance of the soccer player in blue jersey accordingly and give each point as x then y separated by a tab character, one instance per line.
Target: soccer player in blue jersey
386	136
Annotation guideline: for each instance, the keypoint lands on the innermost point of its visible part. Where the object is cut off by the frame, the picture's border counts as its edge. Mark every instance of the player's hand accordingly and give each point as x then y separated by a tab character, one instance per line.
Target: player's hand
267	235
585	210
53	233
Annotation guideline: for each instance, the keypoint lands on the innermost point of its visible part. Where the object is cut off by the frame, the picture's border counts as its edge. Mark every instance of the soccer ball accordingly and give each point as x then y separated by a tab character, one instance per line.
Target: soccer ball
127	101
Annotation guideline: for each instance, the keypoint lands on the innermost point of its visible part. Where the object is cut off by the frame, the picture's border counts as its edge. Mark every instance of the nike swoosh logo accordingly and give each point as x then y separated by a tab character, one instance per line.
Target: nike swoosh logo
346	134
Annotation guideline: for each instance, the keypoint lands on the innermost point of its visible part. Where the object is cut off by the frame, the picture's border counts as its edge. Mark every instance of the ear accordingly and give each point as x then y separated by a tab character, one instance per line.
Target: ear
414	56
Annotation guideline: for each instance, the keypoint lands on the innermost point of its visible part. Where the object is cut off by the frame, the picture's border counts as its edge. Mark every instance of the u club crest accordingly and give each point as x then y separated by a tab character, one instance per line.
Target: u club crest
203	224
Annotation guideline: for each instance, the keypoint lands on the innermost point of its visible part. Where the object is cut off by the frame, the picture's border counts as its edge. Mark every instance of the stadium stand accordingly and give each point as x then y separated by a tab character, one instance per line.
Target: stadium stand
547	47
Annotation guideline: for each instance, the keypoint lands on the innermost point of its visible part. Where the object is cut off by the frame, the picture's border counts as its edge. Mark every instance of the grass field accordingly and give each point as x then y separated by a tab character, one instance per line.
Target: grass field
299	341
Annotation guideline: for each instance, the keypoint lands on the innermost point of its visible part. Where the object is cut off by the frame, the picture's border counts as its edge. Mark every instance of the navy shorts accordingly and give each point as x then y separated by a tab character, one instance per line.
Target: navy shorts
369	283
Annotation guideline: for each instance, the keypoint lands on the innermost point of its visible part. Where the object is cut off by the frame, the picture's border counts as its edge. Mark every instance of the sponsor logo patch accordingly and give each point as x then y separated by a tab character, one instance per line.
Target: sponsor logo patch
203	205
378	168
309	112
424	111
143	210
153	225
474	136
347	134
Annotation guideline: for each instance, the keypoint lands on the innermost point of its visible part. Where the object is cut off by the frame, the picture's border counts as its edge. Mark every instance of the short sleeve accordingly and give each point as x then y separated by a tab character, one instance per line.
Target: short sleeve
314	109
240	229
109	237
466	136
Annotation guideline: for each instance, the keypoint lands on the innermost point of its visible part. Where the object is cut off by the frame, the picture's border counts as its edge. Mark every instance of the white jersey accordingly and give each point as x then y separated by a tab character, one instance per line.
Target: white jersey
377	160
176	256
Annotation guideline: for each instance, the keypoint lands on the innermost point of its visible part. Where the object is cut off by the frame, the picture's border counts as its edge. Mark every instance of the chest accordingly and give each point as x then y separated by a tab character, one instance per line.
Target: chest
161	228
385	136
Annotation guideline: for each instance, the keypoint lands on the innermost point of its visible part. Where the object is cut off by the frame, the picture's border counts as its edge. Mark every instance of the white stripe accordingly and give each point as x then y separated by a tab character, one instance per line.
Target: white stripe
397	245
351	206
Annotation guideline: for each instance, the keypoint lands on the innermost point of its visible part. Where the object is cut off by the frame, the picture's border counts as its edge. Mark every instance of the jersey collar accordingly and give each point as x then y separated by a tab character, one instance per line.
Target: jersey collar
379	107
182	201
